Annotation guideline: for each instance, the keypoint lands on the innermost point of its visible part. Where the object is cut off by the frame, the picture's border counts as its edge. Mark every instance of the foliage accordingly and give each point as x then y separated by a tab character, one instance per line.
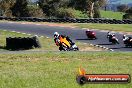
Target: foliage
34	11
69	13
20	8
50	7
97	13
129	10
5	6
128	14
122	8
89	6
65	13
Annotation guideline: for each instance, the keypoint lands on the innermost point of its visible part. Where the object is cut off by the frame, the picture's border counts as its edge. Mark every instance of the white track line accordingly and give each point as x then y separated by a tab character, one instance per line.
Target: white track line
23	23
28	34
37	24
18	32
24	33
13	31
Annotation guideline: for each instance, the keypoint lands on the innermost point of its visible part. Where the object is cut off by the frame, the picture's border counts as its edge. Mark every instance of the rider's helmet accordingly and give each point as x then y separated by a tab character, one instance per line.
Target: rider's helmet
113	34
124	36
108	33
56	34
88	30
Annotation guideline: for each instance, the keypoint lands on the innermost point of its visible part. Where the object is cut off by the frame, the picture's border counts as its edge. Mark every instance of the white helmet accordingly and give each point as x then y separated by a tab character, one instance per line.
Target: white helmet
56	34
88	30
124	36
113	34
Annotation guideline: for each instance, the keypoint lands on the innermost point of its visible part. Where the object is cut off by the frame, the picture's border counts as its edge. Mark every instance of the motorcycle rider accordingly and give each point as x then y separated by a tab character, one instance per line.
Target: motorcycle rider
89	31
110	36
58	39
125	38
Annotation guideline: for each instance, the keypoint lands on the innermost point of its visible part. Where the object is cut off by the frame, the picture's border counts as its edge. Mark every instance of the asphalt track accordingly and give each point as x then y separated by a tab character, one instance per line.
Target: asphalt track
76	34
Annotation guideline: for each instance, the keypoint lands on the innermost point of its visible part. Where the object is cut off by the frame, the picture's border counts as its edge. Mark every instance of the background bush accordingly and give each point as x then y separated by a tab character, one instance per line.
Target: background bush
70	13
128	14
34	11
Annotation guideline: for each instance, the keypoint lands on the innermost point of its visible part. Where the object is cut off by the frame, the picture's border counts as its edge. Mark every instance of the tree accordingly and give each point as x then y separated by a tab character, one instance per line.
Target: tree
5	6
35	11
128	14
20	8
50	7
129	10
89	6
122	8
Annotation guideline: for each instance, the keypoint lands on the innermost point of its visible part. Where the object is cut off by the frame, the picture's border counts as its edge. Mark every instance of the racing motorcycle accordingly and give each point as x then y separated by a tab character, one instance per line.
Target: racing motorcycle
91	34
128	42
72	47
65	45
113	39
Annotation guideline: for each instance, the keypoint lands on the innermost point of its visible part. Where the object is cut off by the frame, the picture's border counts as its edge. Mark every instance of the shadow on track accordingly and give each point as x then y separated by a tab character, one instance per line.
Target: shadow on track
106	44
121	47
115	48
85	39
126	47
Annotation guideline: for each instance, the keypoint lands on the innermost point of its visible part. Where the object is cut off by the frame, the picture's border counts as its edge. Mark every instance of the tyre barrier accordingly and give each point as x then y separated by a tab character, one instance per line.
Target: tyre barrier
69	20
21	43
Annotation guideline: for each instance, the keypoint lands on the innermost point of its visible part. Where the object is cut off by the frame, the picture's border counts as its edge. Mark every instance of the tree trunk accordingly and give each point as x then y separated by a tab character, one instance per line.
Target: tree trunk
91	14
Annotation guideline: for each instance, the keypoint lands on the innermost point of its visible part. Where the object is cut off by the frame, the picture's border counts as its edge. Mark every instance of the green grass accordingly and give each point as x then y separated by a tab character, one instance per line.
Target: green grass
111	14
112	27
59	69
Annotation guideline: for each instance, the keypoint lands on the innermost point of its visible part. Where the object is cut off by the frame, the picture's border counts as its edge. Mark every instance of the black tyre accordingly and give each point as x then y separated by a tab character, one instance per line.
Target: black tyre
81	80
36	42
76	49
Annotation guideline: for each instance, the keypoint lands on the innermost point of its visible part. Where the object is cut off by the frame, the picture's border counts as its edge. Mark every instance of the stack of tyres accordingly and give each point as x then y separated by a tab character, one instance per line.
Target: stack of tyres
71	20
49	20
8	43
36	42
129	21
19	43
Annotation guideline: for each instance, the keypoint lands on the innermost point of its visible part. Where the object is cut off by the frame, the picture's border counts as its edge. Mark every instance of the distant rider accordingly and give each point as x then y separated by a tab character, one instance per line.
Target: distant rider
110	36
125	38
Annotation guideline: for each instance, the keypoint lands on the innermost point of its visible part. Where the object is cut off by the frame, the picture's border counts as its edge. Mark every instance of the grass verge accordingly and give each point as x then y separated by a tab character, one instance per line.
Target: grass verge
111	27
59	69
111	14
